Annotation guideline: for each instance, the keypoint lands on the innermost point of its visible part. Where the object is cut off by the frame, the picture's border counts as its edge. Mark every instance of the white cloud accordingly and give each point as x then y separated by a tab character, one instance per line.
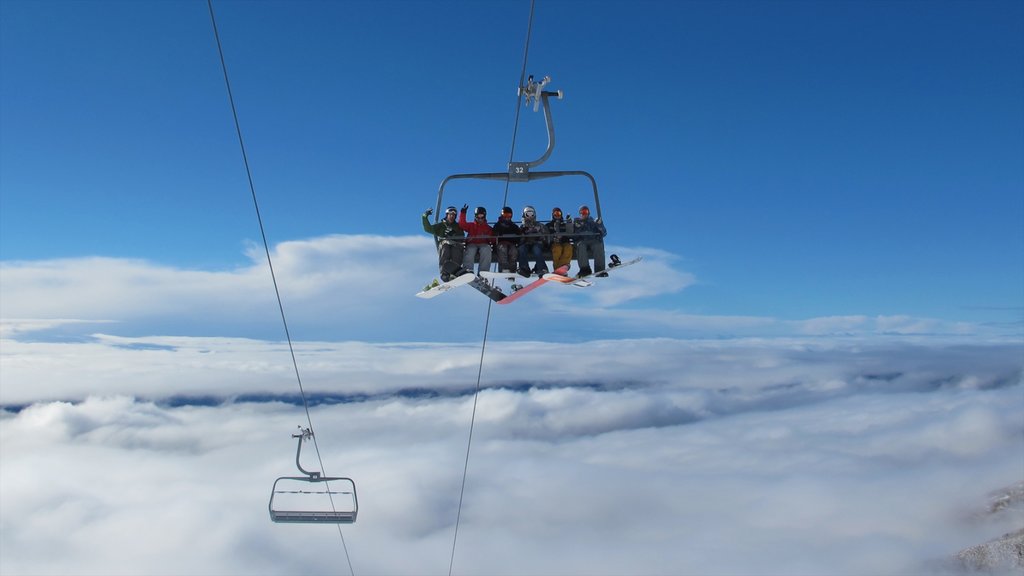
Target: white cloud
346	267
712	457
352	287
902	324
161	367
13	327
652	276
337	287
833	324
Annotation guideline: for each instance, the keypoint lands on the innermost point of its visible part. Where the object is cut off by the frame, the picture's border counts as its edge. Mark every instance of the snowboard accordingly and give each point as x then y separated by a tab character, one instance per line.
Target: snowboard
532	286
485	288
446	286
588	280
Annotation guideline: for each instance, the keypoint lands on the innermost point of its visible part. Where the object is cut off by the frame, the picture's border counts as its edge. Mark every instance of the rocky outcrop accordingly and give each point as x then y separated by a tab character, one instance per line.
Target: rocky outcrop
1006	553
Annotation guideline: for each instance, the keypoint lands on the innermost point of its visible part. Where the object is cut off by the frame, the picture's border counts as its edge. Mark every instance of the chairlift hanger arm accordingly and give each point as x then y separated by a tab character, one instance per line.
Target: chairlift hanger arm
550	124
306	434
534	91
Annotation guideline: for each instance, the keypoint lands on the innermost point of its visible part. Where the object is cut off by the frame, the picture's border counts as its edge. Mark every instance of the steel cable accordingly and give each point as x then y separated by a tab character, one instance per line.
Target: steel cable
270	262
487	321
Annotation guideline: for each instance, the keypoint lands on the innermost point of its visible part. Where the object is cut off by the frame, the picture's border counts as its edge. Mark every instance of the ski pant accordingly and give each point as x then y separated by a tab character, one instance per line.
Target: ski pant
485	256
587	249
535	249
561	254
449	257
507	257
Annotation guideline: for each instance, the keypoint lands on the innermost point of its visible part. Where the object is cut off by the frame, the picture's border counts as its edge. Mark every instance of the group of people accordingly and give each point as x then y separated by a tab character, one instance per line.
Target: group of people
461	242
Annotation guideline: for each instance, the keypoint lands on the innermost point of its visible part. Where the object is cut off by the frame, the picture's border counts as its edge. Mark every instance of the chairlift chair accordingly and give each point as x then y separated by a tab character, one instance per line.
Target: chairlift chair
311	499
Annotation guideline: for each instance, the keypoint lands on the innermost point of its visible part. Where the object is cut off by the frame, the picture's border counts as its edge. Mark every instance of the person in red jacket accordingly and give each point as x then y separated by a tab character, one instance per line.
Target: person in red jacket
480	238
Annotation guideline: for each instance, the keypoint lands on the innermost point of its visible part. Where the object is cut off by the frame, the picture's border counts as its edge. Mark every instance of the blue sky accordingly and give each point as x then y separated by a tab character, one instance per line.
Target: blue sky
816	369
799	159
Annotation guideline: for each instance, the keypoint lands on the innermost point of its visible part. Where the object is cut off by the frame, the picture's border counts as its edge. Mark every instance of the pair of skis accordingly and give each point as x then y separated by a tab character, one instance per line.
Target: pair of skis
519	289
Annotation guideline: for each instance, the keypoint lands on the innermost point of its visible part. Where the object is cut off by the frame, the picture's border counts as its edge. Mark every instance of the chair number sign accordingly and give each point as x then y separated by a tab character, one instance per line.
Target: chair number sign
519	171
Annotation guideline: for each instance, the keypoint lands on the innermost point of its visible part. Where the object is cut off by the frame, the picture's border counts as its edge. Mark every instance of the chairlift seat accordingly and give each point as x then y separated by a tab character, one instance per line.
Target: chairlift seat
312	500
313	517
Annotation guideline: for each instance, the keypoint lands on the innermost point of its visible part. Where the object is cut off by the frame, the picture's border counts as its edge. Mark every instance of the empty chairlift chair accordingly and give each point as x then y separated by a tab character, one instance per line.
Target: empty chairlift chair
313	498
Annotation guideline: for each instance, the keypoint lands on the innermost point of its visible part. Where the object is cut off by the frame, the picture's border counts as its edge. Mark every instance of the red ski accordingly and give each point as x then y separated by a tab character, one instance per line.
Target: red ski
510	298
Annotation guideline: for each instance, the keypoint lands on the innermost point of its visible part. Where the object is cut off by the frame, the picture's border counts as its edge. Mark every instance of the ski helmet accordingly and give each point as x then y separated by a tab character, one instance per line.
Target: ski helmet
584	210
529	212
480	211
507	210
451	210
556	212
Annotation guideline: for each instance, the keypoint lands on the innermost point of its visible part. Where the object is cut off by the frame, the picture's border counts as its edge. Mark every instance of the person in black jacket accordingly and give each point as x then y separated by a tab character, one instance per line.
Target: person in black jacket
589	239
535	238
508	235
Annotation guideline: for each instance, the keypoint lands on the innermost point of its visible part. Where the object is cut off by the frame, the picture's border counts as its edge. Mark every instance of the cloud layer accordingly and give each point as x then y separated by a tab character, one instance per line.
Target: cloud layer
795	456
147	409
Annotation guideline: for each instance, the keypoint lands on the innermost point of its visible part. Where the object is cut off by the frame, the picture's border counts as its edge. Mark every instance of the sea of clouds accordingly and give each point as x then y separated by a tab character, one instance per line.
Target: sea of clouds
845	445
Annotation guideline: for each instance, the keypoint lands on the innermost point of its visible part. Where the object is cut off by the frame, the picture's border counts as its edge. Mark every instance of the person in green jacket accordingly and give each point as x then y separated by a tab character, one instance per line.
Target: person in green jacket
451	243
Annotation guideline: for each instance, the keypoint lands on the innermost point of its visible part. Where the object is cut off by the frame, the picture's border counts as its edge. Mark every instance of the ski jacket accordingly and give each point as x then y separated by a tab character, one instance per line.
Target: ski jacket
478	233
507	231
560	230
587	229
534	232
444	230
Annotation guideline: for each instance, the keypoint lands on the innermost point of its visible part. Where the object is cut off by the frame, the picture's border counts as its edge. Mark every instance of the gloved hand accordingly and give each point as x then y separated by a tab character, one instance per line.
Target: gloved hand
428	212
465	207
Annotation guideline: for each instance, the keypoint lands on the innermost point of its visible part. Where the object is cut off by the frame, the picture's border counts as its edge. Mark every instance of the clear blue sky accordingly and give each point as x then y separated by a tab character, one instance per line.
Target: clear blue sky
802	159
